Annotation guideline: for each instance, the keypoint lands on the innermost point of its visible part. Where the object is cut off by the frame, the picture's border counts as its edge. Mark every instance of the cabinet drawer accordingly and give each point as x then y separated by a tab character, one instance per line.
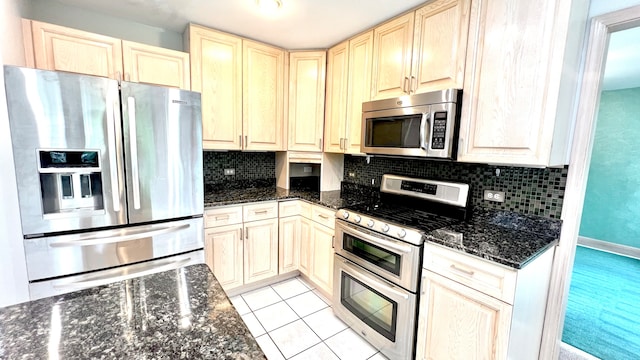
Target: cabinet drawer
289	208
324	216
305	209
223	216
260	211
492	279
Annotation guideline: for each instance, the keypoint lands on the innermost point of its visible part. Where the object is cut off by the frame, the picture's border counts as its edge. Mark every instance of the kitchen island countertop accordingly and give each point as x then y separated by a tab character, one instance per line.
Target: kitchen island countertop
176	314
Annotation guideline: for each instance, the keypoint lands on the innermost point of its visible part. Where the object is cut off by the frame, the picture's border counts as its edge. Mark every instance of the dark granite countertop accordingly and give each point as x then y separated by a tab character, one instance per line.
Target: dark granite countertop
177	314
504	237
333	199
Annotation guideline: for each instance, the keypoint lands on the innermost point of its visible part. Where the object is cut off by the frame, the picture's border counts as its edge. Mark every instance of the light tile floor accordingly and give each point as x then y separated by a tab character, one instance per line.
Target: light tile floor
292	320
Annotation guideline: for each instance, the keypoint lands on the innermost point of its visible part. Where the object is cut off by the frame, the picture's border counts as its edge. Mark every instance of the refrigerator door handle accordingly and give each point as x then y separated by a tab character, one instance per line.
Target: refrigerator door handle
100	240
103	280
131	105
113	162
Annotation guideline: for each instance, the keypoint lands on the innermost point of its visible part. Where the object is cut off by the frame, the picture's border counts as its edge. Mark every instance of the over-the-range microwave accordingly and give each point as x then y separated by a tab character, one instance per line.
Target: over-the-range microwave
421	125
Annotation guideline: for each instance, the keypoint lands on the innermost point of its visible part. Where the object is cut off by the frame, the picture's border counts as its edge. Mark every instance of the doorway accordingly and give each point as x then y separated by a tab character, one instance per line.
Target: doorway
601	29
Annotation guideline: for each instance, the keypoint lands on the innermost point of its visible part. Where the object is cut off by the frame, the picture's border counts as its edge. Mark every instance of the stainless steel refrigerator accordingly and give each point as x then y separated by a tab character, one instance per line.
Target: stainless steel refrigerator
109	177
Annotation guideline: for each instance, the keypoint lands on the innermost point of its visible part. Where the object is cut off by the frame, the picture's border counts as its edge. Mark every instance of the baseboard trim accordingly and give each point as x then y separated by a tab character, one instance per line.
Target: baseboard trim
609	247
262	283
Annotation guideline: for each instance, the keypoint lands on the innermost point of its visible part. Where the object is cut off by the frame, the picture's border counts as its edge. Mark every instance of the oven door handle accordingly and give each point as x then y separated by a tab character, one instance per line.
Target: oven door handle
384	243
423	130
370	280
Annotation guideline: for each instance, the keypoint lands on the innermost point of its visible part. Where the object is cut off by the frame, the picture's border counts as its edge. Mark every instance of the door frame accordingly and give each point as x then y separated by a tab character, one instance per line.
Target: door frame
583	136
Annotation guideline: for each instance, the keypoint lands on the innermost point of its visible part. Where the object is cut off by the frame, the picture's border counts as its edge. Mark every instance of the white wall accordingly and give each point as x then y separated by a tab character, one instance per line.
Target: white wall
57	13
599	7
13	272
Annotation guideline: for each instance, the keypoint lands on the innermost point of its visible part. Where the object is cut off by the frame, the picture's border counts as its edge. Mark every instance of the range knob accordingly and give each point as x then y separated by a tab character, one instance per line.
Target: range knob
345	214
401	233
370	223
385	227
357	219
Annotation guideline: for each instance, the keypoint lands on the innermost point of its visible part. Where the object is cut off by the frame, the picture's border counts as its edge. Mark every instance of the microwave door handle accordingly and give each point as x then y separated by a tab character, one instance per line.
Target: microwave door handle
131	104
423	131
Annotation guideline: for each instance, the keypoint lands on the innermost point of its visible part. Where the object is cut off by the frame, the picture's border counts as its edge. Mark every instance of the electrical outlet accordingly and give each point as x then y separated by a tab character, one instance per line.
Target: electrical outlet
492	195
352	174
229	171
307	169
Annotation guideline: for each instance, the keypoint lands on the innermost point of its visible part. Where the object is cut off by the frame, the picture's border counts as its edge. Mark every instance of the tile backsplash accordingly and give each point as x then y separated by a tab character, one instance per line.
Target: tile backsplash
530	191
248	166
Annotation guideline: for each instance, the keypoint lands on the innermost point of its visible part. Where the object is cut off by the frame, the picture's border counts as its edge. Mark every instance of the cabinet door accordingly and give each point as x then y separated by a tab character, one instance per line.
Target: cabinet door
439	45
263	96
64	49
392	47
456	322
359	90
223	253
336	105
289	244
306	100
305	246
321	257
511	82
216	72
155	65
260	250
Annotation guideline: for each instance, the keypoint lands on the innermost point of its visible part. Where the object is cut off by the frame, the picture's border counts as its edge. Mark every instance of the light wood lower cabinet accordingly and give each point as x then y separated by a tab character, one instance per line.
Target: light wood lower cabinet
305	246
457	322
224	254
321	259
289	244
260	250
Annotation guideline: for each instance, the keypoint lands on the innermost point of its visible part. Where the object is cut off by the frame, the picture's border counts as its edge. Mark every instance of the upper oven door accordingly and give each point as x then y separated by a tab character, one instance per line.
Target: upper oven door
391	259
401	131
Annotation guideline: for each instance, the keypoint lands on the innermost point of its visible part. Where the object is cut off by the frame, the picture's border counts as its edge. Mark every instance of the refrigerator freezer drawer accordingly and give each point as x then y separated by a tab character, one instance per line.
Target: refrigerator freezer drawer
41	289
62	255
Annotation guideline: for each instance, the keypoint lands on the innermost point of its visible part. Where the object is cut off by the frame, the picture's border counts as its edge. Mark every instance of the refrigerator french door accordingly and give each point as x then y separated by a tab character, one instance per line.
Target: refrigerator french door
109	177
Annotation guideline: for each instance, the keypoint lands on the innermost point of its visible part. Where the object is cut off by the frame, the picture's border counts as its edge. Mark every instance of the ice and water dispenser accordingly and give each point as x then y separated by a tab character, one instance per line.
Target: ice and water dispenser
70	181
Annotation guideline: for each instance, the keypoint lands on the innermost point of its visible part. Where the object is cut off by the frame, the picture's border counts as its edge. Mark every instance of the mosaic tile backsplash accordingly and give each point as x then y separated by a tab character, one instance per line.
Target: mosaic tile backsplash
248	165
529	191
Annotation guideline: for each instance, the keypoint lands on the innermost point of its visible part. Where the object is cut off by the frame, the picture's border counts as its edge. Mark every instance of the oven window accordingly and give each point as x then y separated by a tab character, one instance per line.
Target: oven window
376	255
374	309
394	131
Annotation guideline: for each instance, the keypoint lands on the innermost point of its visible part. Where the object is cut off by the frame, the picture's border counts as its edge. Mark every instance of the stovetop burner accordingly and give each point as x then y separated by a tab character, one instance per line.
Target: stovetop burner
410	207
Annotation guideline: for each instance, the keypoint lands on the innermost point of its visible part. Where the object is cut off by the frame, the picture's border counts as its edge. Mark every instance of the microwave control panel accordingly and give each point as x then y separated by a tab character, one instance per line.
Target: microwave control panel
439	130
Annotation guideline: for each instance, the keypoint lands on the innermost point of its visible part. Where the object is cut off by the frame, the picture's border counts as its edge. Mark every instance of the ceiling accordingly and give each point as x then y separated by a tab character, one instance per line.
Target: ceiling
298	24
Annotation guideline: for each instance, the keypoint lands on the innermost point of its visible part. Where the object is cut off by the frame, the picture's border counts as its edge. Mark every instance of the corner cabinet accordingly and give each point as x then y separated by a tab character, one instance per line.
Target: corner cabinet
54	47
472	308
519	55
421	51
242	86
349	66
307	71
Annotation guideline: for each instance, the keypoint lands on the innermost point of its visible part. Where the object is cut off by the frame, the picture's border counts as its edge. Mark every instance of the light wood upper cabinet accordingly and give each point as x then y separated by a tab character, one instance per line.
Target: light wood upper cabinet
307	70
63	49
348	86
154	65
421	51
360	68
216	72
456	322
335	120
263	96
516	55
392	49
439	45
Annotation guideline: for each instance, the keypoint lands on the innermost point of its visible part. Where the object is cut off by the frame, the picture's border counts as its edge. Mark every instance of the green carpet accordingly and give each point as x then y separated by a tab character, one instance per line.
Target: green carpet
603	313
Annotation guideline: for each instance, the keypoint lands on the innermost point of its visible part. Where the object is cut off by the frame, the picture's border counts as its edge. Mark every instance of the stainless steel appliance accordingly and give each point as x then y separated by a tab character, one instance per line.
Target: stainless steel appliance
109	174
378	257
421	125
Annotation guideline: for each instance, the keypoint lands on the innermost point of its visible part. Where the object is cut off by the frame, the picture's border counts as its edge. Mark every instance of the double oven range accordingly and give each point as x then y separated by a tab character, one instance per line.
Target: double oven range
378	257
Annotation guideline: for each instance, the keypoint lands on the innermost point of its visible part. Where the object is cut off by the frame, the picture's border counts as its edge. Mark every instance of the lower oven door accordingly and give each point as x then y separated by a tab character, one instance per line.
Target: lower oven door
391	259
382	313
